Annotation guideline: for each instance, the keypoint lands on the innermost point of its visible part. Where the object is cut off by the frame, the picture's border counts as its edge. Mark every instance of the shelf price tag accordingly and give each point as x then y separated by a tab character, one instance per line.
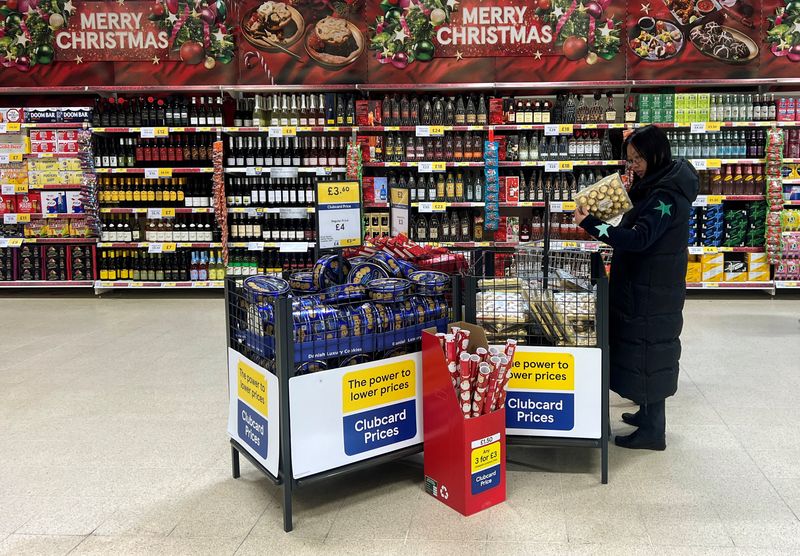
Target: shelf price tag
700	201
392	164
151	173
168	213
568	206
565	129
551	166
155	247
340	218
289	131
8	189
423	131
713	127
5	158
426	207
293	247
565	166
158	213
147	132
551	129
275	131
698	127
699	163
437	130
714	199
710	250
253	170
439	207
255	246
392	128
425	167
556	206
695	250
289	213
21	188
165	172
713	163
11	242
168	247
438	166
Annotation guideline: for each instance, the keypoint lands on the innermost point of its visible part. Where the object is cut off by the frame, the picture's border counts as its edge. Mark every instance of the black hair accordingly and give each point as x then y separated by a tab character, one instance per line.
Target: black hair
652	144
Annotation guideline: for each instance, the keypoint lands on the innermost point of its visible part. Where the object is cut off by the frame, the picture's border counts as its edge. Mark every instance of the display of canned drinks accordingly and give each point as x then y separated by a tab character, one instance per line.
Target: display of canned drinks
387	290
429	282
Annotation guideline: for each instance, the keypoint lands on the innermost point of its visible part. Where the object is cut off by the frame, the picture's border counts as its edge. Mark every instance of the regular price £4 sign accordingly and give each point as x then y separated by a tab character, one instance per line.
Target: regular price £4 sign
339	214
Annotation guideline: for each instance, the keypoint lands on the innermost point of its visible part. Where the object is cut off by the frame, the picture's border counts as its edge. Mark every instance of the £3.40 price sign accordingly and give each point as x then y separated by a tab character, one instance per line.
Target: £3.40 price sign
339	213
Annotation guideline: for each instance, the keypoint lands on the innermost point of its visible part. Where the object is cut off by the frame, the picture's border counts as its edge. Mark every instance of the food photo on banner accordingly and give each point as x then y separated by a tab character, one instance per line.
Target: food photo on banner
693	39
780	55
302	42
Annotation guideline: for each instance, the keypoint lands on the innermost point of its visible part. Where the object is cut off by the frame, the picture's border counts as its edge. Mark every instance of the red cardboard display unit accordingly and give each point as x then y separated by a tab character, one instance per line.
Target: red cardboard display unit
465	459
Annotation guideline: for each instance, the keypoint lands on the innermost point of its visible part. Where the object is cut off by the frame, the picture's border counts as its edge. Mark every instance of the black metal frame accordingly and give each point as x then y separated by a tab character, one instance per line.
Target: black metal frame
600	278
284	368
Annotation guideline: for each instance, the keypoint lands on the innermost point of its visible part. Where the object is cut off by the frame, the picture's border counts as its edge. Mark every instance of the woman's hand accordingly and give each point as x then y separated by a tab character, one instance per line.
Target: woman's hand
581	212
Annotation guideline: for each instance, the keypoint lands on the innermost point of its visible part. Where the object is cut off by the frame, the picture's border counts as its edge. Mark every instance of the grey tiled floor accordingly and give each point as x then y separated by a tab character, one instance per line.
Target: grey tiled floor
112	441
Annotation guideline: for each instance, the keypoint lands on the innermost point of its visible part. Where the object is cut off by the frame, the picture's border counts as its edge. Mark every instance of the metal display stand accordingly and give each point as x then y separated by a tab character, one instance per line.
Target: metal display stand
553	300
264	336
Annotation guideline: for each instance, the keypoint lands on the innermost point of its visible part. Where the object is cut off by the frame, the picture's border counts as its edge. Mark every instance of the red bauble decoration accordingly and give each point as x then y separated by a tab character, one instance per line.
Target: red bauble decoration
158	10
594	10
207	15
12	4
172	6
23	64
400	60
544	5
575	48
192	53
794	53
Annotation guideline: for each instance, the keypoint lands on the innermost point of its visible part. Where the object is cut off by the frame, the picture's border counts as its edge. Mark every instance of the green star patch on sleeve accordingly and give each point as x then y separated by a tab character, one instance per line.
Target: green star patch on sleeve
664	208
602	229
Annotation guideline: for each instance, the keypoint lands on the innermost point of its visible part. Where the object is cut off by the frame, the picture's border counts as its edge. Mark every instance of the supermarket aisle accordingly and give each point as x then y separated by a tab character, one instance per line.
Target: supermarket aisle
113	441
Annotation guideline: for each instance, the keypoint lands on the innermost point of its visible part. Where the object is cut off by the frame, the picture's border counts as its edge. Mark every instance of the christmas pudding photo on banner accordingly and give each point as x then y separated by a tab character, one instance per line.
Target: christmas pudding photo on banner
693	39
480	41
302	42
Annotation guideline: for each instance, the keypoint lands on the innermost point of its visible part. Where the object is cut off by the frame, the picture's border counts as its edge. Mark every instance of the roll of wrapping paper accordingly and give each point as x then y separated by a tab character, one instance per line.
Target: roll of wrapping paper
483	353
462	340
502	371
450	356
440	336
464	385
494	364
481	385
511	347
474	361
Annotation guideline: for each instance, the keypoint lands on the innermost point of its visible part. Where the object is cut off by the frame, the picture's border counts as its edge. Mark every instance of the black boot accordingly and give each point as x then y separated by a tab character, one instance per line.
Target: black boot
651	435
634	419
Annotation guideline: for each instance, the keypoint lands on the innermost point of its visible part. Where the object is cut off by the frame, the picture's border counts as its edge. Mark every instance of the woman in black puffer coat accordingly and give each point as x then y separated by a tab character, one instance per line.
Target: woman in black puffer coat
648	282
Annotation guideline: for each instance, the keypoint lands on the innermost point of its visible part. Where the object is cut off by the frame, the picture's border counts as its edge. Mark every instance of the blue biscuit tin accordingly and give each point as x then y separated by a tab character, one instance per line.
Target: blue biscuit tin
363	273
344	294
388	290
429	282
258	288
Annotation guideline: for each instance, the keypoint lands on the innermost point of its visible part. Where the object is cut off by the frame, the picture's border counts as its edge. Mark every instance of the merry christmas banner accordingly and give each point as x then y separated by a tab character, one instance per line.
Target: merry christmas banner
52	43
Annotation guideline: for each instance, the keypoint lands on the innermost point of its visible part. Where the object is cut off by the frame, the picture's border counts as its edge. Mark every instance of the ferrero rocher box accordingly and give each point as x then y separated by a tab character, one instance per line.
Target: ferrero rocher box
605	199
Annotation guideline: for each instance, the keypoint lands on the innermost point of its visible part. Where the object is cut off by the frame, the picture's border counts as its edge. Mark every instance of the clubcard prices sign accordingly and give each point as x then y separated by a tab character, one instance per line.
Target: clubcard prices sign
353	413
253	409
554	392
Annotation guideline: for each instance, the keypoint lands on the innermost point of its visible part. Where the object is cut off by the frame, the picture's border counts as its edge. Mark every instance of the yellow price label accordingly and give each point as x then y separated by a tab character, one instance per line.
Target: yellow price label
438	166
710	250
169	285
13	126
167	213
392	128
15	157
182	129
22	218
568	206
437	130
485	457
168	247
15	242
589	126
439	207
714	199
329	128
565	129
713	126
165	172
714	163
45	155
289	131
160	131
350	242
565	165
20	188
334	193
391	164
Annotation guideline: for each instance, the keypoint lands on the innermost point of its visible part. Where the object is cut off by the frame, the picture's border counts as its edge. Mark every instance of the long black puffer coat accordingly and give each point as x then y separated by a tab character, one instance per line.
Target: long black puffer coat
648	282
